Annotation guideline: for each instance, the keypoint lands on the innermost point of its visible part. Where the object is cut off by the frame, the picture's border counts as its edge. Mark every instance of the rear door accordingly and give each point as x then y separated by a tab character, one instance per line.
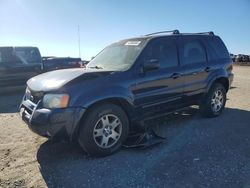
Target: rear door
193	59
159	89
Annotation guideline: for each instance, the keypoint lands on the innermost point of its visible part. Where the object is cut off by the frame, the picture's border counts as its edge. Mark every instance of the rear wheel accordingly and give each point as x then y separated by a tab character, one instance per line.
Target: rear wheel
214	102
103	130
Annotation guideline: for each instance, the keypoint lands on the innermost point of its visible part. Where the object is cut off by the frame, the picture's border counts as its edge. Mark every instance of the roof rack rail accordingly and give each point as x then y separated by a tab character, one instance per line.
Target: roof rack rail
206	33
172	31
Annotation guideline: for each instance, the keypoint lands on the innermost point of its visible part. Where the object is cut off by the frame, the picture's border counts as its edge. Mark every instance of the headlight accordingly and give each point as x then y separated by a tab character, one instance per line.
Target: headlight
55	101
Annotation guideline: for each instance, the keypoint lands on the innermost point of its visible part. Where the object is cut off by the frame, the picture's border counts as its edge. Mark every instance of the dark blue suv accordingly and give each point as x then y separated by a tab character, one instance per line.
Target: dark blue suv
127	83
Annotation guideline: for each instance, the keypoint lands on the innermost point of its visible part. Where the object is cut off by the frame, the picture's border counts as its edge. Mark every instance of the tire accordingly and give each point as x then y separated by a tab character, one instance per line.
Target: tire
103	130
214	102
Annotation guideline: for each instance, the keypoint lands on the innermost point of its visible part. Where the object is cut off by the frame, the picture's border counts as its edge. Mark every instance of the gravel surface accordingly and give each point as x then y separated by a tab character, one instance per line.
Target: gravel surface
198	152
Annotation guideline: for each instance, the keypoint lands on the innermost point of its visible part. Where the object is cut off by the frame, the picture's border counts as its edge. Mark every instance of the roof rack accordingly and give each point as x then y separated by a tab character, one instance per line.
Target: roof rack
178	32
172	31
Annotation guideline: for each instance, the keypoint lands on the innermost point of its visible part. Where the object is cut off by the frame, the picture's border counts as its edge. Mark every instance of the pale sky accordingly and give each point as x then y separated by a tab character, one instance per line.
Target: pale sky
52	25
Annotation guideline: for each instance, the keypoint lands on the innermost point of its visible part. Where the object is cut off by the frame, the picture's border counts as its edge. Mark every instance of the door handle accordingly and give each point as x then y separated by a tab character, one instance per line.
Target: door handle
176	75
208	69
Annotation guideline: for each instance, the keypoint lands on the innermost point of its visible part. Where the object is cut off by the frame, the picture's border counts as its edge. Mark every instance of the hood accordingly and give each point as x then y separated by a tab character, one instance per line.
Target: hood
56	79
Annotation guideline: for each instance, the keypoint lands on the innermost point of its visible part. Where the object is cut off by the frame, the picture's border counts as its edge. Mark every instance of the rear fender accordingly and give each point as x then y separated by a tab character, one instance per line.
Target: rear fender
215	79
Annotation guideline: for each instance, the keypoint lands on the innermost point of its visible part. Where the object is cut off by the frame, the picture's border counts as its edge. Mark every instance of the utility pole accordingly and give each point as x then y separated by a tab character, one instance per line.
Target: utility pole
79	41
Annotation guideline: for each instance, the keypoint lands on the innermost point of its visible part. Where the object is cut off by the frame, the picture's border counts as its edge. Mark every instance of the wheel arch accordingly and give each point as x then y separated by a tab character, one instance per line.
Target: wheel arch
123	103
222	80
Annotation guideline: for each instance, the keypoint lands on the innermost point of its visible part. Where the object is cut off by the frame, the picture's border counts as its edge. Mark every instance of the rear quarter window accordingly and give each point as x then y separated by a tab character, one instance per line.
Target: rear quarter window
216	49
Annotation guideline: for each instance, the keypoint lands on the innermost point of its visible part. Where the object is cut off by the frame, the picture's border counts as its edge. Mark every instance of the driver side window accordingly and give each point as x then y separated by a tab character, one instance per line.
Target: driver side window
165	51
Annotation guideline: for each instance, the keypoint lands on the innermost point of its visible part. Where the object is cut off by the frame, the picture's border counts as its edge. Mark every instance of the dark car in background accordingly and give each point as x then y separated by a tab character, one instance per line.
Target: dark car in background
233	57
241	58
55	63
18	64
127	83
246	58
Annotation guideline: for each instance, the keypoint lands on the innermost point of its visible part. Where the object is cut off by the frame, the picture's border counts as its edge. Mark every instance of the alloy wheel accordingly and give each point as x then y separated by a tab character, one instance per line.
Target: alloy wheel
217	101
107	131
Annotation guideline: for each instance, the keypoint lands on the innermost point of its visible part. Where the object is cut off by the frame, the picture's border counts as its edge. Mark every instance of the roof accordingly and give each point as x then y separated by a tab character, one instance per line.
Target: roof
169	33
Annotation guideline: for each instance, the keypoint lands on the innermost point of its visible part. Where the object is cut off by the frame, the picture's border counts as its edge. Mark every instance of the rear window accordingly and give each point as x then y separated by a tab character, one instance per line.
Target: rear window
217	49
19	55
7	56
28	55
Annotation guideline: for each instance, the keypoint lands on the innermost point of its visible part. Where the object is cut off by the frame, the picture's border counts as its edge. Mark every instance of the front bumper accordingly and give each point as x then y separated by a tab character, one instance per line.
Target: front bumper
51	122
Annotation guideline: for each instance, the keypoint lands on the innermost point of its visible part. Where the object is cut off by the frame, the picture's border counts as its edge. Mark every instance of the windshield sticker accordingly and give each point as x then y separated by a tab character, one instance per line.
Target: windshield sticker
133	43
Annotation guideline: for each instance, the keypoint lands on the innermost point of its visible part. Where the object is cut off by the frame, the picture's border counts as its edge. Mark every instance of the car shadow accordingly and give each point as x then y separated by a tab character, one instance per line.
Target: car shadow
197	152
10	100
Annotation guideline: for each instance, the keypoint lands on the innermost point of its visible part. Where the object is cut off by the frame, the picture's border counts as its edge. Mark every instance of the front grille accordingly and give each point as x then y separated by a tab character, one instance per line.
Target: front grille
29	104
34	97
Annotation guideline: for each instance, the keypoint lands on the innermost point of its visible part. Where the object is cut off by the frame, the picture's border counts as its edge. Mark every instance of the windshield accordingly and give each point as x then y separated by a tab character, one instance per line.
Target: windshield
117	57
19	55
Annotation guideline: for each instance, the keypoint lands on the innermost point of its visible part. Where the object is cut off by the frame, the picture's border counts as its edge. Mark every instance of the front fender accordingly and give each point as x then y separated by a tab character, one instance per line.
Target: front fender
99	94
87	99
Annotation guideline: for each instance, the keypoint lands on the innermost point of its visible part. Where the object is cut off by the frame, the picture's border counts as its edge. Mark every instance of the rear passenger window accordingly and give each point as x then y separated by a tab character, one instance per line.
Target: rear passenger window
163	50
192	52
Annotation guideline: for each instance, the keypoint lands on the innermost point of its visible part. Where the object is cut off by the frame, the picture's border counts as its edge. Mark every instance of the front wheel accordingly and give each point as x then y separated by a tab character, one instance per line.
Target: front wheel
104	129
214	102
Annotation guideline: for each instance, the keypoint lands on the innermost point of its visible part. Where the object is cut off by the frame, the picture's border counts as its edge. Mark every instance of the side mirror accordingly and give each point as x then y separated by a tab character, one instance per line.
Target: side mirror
152	64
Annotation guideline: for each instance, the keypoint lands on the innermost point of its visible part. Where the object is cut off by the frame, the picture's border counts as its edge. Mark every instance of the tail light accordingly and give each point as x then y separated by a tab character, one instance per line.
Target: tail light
230	68
81	64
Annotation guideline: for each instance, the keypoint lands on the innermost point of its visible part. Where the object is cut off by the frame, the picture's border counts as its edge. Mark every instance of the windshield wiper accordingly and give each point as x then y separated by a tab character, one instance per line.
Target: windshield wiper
96	67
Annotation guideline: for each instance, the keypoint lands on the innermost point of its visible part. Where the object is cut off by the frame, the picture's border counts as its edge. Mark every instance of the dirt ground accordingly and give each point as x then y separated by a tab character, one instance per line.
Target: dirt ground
198	152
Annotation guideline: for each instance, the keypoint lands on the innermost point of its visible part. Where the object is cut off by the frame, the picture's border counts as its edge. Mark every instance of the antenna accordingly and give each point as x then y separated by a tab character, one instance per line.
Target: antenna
79	41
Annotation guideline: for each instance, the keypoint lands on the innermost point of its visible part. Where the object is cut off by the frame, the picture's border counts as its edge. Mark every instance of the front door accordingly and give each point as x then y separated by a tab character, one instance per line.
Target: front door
159	89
